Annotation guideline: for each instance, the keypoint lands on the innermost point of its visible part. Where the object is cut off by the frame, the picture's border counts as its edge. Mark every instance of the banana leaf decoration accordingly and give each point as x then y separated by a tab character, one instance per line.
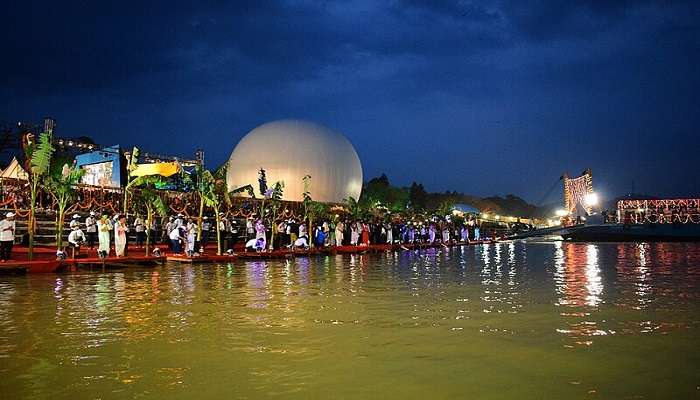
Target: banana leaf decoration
247	188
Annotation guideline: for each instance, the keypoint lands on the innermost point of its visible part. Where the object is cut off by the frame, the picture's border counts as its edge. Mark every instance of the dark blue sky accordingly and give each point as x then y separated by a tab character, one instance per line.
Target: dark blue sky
486	97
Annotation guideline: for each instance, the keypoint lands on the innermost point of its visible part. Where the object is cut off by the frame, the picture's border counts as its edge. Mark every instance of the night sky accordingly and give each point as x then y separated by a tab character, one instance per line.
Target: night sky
480	97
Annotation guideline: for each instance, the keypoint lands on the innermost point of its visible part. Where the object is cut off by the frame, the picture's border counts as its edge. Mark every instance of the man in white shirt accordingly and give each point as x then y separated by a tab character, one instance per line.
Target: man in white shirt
233	228
167	228
76	238
179	221
176	238
7	236
140	229
91	229
206	227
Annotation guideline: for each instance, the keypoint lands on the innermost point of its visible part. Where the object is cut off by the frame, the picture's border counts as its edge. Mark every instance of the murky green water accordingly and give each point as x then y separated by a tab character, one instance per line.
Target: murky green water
509	321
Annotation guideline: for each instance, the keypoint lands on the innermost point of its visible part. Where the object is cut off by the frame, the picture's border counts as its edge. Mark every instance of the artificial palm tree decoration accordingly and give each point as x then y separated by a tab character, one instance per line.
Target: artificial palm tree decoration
445	208
39	157
275	197
200	185
213	193
147	196
131	164
60	184
312	209
353	208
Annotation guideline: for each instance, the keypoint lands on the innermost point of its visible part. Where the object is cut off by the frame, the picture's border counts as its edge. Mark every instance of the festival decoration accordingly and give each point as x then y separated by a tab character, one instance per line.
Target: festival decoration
61	185
578	191
678	211
149	198
213	193
39	157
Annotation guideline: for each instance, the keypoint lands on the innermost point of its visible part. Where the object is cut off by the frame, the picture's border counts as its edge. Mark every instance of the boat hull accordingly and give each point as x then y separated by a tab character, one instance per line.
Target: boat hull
634	233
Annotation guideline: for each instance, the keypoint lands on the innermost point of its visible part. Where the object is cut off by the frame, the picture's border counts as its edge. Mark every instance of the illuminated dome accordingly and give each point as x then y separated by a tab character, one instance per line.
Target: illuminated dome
289	149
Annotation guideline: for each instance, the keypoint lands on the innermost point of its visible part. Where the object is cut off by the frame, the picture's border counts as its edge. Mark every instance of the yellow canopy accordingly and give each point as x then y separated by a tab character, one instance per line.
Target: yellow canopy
162	169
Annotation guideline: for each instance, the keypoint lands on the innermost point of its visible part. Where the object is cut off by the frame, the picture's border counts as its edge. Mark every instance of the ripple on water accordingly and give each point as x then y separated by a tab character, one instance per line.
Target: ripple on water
448	322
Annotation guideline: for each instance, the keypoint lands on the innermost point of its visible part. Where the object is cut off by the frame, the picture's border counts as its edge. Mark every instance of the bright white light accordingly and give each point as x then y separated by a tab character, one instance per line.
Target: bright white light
497	217
591	199
484	216
561	213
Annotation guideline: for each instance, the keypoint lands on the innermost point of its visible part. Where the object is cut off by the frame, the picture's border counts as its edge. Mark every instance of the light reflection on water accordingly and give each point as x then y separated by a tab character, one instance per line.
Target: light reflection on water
444	322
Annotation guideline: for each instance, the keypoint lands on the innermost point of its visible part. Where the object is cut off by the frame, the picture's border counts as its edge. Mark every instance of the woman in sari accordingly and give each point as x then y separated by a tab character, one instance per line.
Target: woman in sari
120	231
103	228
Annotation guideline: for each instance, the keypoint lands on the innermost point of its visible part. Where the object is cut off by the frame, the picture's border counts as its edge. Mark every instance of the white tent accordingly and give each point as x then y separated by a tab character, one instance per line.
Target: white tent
290	149
14	171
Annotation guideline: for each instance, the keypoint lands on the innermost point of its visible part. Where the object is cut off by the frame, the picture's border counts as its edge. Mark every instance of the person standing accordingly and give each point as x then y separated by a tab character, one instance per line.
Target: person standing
191	236
179	222
320	236
302	229
167	228
389	233
445	234
91	229
354	234
140	229
235	234
260	230
152	229
292	230
281	235
7	236
206	227
104	226
339	233
223	231
176	239
365	234
120	231
249	228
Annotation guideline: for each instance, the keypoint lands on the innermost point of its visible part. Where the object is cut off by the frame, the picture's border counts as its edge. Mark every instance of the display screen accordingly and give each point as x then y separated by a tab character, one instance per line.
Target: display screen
99	174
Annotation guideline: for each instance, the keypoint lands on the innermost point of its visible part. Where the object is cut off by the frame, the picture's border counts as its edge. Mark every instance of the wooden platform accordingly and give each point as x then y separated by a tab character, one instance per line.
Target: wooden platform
200	259
265	254
44	265
116	262
349	249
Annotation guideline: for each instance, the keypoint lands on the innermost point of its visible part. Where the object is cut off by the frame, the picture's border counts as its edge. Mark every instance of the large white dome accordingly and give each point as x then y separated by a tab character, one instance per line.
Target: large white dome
289	149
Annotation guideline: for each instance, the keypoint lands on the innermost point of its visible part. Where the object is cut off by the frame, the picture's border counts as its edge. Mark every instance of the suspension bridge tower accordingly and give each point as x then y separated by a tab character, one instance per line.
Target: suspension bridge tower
579	197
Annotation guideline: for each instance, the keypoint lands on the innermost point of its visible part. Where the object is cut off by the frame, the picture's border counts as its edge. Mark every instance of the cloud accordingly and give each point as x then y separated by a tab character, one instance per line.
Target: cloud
509	74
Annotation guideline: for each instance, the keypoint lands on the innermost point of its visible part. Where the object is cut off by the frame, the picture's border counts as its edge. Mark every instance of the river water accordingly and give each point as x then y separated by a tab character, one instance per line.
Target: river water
522	320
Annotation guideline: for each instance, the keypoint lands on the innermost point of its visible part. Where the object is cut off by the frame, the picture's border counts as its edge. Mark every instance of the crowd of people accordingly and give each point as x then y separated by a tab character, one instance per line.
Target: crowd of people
291	233
181	234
